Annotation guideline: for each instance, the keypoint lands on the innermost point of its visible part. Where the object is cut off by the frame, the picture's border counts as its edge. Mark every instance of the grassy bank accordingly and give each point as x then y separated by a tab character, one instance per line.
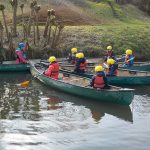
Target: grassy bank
89	26
93	40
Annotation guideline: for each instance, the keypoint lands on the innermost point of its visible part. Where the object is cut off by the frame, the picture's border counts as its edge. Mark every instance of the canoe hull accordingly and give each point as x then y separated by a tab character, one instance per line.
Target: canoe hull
120	80
140	67
120	97
14	67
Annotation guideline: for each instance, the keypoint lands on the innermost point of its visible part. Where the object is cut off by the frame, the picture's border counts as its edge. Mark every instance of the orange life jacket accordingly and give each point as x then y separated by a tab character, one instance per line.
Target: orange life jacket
53	70
99	82
83	66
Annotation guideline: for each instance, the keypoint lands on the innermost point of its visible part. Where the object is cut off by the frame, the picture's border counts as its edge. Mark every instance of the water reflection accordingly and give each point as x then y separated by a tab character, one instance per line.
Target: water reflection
26	114
42	118
17	102
97	109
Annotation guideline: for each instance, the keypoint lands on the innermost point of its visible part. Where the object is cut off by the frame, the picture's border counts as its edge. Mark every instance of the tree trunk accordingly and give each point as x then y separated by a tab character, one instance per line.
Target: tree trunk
23	24
54	36
58	36
11	48
46	26
30	22
1	38
34	34
37	29
14	21
49	34
5	24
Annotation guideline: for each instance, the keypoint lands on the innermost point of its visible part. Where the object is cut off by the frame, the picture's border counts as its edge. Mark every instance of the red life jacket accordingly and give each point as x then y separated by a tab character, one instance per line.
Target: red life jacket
83	66
53	70
99	82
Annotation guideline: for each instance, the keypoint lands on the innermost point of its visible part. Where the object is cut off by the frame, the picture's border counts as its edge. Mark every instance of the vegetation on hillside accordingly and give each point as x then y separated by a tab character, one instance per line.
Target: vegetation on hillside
93	40
90	25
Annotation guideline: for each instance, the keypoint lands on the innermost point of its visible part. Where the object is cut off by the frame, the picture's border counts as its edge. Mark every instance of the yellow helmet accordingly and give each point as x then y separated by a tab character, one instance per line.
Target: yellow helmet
109	47
129	52
99	68
52	59
74	50
110	61
78	55
81	55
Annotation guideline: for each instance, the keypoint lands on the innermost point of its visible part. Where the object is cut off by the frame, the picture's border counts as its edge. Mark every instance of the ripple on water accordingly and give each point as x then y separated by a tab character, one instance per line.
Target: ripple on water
42	118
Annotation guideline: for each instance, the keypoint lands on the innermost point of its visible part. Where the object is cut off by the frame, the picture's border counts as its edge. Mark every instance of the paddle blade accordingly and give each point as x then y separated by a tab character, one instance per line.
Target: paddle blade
25	84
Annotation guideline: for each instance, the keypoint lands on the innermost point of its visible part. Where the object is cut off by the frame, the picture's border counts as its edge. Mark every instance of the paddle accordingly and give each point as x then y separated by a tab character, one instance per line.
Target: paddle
130	59
26	83
106	66
64	62
121	57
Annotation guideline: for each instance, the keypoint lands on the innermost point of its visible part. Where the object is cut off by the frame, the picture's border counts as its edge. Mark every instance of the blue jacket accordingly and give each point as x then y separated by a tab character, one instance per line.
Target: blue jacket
112	71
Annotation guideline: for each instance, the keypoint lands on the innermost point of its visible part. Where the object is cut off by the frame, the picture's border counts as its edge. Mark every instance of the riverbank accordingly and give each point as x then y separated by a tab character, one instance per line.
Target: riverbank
92	40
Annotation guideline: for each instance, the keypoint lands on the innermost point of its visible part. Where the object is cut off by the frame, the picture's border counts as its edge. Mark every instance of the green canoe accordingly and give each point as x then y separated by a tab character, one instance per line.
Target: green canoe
11	66
141	66
125	76
78	86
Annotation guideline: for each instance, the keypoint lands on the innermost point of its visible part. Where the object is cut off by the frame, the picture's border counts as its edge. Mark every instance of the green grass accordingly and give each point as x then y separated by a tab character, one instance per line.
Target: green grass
130	29
126	13
97	38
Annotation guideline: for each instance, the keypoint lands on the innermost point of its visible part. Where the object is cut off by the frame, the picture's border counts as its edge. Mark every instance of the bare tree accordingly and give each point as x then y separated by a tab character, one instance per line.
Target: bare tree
14	4
51	23
47	23
37	9
32	5
2	8
23	22
57	38
1	43
1	35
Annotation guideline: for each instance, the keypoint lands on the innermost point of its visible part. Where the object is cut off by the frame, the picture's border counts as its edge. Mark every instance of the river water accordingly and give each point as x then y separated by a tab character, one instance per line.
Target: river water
40	118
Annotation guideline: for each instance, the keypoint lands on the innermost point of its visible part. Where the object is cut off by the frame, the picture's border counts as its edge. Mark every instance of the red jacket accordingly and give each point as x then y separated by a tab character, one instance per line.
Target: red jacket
53	70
